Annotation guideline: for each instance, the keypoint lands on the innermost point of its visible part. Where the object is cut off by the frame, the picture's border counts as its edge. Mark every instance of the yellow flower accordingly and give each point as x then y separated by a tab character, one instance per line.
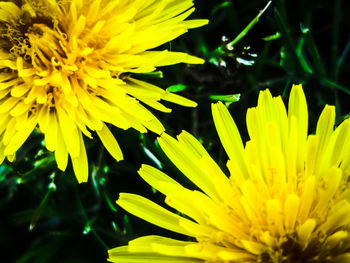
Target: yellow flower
287	198
62	65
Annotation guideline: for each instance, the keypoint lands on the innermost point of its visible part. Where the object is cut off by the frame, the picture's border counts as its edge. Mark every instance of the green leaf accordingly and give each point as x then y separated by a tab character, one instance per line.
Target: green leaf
272	37
226	98
152	157
249	26
152	75
36	216
336	85
176	88
302	60
110	204
218	7
312	48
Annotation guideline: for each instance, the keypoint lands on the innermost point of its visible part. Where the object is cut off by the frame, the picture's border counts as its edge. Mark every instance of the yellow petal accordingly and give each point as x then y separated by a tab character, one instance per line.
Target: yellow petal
80	163
291	209
229	136
110	143
151	212
61	152
305	231
70	133
297	108
156	178
186	163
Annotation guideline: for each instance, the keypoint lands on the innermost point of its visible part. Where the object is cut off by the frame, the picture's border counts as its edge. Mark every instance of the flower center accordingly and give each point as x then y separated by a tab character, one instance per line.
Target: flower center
291	251
36	43
14	34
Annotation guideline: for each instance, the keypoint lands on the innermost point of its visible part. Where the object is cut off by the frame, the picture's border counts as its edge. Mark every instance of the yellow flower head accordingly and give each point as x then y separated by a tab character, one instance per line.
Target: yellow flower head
61	65
287	198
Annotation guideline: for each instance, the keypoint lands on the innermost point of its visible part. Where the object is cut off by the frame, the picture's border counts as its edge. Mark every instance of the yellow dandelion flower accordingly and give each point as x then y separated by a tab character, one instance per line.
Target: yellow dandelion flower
61	65
287	198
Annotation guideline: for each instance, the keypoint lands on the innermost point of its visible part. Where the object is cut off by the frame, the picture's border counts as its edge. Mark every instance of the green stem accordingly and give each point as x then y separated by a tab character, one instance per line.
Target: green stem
249	26
315	56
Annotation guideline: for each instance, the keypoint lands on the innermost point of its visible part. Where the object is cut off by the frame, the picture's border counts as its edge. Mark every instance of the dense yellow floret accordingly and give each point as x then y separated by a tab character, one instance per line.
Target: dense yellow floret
287	198
63	65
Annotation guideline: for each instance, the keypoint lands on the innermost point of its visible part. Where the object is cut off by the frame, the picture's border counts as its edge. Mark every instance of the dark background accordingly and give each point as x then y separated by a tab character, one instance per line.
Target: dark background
47	217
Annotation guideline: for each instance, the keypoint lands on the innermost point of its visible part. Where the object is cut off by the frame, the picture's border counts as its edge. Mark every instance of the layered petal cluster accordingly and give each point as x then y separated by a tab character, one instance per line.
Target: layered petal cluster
287	198
63	65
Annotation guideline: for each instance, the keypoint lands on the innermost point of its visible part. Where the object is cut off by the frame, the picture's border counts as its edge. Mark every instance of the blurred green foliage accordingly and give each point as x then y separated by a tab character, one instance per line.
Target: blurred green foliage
47	217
